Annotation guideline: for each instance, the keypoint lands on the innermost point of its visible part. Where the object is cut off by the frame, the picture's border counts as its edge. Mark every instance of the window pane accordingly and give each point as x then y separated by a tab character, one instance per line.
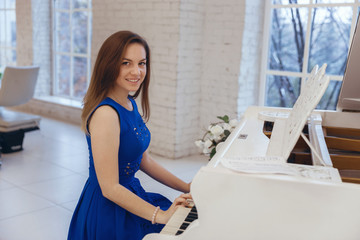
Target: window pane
286	2
2	59
79	29
8	34
11	28
287	40
62	32
2	28
331	96
13	57
9	57
9	4
72	36
282	91
62	4
334	1
80	76
80	4
329	41
63	75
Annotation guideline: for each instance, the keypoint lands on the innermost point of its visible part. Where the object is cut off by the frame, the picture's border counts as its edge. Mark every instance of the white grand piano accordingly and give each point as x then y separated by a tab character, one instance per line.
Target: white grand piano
283	173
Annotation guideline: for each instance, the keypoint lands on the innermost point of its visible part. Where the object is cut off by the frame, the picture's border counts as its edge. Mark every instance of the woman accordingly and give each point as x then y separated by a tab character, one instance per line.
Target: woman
113	205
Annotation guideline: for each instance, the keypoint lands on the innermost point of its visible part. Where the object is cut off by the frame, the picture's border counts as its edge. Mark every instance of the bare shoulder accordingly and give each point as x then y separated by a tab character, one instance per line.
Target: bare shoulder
105	110
104	117
105	113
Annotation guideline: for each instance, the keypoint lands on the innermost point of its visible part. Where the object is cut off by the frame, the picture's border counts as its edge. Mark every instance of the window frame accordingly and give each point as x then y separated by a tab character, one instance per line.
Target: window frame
303	75
71	54
7	45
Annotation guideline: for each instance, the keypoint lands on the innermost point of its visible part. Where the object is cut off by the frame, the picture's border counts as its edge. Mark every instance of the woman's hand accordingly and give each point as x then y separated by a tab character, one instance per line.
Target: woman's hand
188	185
181	201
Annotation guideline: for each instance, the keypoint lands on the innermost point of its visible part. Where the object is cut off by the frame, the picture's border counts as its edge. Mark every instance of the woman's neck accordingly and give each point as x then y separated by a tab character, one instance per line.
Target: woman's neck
123	100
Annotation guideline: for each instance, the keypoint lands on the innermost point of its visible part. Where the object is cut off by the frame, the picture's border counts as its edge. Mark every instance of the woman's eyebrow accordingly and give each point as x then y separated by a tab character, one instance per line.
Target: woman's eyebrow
144	59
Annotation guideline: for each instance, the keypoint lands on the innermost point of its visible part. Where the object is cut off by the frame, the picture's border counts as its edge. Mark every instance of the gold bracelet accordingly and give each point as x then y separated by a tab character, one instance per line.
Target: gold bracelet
154	215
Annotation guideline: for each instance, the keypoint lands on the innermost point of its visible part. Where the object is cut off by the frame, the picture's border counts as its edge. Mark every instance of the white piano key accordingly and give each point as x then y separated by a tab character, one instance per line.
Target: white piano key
176	220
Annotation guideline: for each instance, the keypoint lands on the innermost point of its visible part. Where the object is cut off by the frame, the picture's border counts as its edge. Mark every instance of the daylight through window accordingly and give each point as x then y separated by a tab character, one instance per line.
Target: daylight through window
301	34
7	33
72	38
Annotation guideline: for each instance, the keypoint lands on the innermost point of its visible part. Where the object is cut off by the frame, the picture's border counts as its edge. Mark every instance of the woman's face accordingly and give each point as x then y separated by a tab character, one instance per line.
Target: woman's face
132	69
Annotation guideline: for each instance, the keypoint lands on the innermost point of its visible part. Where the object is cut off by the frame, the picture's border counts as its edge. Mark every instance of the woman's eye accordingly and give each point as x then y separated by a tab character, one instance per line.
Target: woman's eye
142	64
125	63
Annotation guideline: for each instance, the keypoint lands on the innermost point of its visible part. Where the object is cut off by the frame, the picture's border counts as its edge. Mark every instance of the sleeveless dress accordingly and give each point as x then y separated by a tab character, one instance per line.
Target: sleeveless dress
96	217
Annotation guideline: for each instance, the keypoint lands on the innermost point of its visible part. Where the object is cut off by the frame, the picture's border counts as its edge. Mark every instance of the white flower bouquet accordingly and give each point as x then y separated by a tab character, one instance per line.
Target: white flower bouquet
215	135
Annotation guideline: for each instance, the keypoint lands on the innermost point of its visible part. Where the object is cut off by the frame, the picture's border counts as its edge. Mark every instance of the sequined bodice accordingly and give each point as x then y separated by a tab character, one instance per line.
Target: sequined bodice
134	140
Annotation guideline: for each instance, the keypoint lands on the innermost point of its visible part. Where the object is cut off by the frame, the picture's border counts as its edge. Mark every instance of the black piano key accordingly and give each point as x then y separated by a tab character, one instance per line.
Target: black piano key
193	209
191	218
184	225
192	215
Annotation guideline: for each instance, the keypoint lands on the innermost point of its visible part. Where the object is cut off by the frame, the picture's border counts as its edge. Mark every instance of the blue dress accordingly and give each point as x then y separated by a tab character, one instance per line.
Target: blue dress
96	217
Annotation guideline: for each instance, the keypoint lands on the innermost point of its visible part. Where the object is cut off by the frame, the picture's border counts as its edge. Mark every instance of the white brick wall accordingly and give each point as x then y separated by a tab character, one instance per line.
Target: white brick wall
158	22
33	29
188	88
24	28
223	32
42	44
205	59
231	53
251	55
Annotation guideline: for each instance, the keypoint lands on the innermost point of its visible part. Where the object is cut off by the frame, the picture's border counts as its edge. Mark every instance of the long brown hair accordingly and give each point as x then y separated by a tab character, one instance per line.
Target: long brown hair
106	70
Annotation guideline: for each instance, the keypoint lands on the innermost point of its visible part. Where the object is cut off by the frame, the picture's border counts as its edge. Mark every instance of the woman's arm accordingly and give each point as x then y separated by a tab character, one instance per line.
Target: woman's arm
105	131
159	173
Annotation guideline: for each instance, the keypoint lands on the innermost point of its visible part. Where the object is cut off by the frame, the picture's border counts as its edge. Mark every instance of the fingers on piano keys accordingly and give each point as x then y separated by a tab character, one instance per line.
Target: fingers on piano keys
181	219
190	203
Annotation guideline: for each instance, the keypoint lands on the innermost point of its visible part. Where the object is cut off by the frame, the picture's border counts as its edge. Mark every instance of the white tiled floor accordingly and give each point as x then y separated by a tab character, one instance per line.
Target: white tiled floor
40	185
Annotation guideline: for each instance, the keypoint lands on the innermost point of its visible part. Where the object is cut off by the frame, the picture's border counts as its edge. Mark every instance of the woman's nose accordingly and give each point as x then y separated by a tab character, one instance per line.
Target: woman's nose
135	70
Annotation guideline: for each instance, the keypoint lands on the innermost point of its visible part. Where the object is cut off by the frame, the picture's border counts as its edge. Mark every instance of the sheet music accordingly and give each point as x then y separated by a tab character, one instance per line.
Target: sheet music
286	131
277	165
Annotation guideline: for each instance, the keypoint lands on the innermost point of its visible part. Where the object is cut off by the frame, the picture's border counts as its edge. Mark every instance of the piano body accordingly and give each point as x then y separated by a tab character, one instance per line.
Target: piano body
244	205
292	180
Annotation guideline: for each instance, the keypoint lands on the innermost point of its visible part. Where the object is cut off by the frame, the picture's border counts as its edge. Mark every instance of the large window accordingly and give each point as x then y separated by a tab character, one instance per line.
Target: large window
72	36
7	33
301	34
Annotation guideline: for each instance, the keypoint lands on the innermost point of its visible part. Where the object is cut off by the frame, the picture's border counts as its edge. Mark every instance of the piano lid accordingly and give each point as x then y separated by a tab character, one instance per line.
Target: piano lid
349	98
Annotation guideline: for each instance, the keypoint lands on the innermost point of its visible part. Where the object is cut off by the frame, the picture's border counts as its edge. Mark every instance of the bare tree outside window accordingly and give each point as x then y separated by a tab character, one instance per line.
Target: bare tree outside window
72	34
304	34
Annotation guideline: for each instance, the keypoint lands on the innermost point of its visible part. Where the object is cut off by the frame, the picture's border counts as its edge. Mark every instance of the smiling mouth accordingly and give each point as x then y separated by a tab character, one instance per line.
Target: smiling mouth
133	80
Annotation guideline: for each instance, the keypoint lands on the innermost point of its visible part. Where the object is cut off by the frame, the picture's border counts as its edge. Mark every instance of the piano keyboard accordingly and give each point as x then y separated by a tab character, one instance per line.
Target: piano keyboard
180	221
